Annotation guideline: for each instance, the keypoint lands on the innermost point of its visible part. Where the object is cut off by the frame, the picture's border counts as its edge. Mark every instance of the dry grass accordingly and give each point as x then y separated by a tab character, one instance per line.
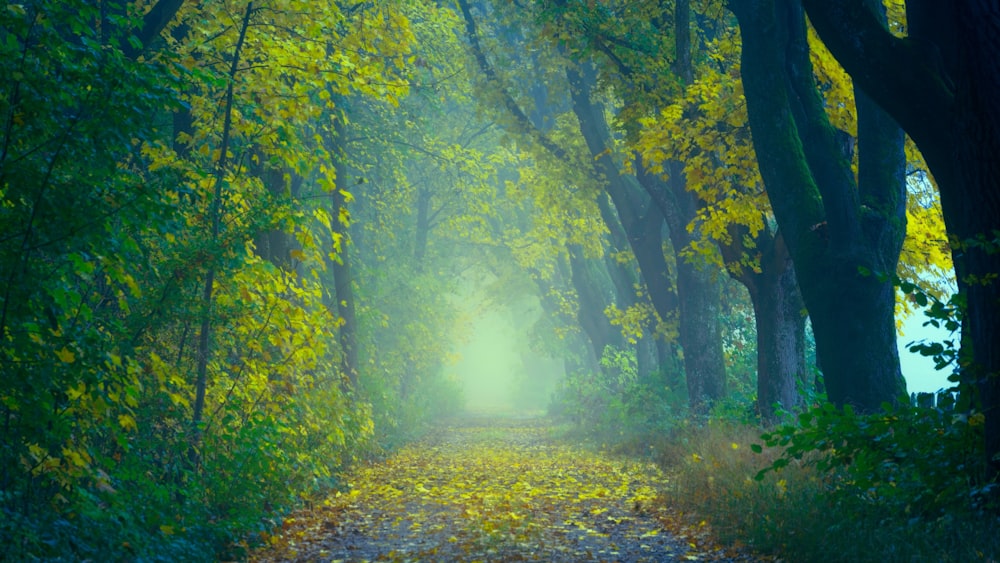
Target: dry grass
799	514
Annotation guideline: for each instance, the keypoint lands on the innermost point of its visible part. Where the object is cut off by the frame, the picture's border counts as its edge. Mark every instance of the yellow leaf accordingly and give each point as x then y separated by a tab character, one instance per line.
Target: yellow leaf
127	422
76	392
66	356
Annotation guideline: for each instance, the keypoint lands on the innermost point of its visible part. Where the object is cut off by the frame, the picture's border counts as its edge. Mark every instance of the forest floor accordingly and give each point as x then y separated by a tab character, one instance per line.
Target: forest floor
496	490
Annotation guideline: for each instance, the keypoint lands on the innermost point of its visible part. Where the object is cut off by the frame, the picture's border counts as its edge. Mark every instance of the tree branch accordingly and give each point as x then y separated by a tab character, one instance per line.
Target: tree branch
153	23
903	76
508	101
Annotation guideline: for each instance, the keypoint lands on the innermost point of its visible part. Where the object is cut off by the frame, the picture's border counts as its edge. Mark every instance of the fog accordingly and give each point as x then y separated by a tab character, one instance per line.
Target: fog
499	371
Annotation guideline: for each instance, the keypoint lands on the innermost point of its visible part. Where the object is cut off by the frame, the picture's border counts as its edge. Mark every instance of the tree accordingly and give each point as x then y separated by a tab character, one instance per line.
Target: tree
636	224
706	136
683	116
844	233
133	300
641	221
940	83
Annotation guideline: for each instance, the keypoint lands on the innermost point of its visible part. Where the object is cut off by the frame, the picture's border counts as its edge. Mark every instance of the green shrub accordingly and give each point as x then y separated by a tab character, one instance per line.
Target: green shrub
904	485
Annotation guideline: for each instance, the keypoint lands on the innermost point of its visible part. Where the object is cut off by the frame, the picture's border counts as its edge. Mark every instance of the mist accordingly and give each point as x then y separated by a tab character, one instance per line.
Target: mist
495	363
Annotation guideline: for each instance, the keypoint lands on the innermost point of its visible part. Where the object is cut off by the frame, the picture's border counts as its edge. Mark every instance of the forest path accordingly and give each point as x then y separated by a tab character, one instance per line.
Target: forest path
492	490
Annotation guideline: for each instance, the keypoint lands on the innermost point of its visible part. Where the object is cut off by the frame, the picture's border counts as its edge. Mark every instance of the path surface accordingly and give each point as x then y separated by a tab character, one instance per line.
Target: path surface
491	490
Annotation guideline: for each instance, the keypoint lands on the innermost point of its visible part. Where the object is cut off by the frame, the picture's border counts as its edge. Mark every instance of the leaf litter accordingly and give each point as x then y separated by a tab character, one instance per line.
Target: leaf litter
495	490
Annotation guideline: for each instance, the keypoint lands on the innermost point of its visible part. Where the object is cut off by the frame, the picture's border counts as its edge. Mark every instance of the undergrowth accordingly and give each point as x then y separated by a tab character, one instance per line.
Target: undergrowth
909	483
837	486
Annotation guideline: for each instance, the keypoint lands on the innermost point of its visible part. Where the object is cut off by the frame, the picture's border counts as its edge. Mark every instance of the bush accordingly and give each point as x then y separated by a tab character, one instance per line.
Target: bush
841	487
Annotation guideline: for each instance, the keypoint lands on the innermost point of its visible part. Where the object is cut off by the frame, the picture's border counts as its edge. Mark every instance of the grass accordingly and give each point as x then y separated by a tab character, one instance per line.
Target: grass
802	514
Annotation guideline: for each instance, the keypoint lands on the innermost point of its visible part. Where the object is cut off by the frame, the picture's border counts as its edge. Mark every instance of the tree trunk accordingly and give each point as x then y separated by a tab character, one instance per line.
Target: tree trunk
780	322
591	303
215	215
941	84
586	361
700	298
274	244
975	213
700	337
423	227
340	265
839	233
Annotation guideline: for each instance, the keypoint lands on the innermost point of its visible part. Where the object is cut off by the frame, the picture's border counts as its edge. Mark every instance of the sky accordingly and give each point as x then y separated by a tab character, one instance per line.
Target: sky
917	370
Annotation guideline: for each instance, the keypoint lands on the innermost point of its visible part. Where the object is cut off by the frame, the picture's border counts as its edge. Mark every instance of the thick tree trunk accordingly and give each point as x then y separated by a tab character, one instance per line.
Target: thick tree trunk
852	319
700	299
839	233
780	323
941	84
700	335
976	210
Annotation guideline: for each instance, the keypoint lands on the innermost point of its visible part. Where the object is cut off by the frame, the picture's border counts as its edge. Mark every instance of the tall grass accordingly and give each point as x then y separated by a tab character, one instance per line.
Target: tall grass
800	513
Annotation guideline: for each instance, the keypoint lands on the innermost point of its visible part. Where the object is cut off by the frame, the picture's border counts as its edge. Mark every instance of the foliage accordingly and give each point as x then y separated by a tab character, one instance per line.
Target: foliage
128	186
171	367
802	513
909	483
886	457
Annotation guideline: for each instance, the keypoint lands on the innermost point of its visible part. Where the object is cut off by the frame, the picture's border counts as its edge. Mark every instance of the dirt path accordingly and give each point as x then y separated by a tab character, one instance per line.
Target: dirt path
491	491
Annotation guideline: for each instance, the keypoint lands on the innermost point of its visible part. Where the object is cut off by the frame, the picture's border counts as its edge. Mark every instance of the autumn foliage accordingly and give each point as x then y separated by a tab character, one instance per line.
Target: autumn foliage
242	241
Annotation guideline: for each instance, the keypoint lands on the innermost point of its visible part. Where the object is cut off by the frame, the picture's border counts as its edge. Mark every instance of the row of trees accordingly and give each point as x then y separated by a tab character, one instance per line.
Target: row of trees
222	263
725	137
230	231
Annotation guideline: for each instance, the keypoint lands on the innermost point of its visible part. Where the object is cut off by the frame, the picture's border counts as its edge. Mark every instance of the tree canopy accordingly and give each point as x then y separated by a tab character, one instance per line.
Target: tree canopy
241	241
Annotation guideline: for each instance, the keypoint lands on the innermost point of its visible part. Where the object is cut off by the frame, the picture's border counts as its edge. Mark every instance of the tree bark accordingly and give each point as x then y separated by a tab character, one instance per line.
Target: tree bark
343	278
781	348
977	210
839	233
155	20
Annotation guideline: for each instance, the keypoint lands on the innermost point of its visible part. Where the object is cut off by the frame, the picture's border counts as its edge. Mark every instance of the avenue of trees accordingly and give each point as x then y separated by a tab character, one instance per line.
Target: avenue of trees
232	233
